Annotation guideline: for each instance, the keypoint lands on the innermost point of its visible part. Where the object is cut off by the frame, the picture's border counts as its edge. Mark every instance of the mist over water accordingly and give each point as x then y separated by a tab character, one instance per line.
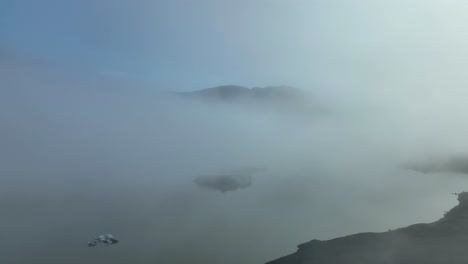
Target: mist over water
76	164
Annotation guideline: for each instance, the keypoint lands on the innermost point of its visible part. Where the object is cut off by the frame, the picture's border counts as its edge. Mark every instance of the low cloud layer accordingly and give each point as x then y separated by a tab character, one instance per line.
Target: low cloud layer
82	157
455	164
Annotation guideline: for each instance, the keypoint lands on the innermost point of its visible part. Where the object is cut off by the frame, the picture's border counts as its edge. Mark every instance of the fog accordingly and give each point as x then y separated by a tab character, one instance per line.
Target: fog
84	153
455	164
89	159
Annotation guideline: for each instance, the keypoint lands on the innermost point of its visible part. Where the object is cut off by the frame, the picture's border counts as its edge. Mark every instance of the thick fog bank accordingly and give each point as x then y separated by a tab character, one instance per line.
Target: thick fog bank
84	160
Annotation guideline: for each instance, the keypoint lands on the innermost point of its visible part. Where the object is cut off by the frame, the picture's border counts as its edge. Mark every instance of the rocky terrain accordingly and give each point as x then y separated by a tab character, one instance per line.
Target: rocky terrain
444	241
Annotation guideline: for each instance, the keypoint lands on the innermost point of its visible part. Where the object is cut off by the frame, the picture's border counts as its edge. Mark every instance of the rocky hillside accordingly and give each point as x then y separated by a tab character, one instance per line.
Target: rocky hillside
443	242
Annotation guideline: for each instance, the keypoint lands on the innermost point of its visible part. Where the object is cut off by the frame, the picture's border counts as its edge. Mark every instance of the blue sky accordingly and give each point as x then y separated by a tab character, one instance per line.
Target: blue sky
106	38
175	44
183	44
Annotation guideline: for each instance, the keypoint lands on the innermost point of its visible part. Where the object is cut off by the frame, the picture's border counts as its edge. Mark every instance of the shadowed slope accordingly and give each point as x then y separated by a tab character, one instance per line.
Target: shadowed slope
444	241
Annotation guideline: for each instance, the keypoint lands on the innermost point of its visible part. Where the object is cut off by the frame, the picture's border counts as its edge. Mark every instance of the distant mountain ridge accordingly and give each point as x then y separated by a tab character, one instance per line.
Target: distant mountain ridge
283	98
442	242
235	92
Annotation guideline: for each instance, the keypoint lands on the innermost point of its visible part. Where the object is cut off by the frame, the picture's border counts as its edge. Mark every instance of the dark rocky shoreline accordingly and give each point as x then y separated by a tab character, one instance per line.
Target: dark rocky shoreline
442	242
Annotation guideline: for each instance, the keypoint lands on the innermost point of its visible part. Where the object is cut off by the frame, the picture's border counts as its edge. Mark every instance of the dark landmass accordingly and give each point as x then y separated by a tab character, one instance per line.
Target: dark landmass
455	164
237	93
283	98
442	242
224	183
231	181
